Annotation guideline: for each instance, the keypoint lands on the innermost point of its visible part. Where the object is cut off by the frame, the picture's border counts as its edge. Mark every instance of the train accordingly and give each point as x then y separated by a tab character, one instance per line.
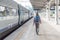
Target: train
12	16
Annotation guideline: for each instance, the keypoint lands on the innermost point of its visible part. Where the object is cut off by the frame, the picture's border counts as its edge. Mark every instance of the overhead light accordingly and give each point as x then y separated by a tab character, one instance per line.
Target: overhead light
48	0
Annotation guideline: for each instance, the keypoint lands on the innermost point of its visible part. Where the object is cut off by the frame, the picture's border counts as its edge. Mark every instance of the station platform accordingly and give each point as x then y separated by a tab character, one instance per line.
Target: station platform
27	32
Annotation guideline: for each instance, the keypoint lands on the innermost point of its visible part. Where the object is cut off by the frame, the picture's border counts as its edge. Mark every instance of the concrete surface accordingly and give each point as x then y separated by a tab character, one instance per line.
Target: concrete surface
27	32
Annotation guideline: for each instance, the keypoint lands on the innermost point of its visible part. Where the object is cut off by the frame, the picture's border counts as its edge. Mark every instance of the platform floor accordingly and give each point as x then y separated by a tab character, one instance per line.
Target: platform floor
27	32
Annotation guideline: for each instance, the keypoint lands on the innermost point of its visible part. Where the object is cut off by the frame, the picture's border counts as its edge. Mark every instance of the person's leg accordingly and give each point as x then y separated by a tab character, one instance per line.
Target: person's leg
37	28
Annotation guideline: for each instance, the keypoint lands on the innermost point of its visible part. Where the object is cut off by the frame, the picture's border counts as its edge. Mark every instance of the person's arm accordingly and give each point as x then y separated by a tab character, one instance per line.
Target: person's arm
33	22
40	20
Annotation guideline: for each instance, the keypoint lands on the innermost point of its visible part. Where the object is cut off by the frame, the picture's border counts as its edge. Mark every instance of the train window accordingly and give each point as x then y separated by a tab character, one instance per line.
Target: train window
13	10
8	17
2	10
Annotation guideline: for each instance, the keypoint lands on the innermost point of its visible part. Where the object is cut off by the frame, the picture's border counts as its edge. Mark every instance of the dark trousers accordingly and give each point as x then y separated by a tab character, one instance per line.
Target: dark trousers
37	27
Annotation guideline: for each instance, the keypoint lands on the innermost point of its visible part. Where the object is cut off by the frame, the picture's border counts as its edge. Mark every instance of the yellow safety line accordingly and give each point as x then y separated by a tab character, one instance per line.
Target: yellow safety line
20	34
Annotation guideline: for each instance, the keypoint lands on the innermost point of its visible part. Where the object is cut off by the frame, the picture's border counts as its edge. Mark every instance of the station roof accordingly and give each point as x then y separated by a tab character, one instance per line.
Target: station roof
38	4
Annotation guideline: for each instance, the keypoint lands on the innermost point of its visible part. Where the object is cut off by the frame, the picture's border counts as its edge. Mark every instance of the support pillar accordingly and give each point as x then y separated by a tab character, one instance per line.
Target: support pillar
48	11
56	11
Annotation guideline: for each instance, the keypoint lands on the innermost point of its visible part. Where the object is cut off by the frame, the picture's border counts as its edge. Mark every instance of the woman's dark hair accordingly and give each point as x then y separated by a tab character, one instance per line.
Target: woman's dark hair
37	14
